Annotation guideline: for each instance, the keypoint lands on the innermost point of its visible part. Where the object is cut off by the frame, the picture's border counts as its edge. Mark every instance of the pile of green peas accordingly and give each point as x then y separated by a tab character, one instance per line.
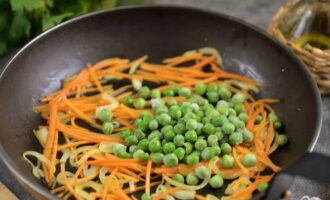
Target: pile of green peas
208	124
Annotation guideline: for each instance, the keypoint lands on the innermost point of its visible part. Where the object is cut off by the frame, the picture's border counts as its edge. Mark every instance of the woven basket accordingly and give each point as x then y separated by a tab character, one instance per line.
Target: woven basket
317	60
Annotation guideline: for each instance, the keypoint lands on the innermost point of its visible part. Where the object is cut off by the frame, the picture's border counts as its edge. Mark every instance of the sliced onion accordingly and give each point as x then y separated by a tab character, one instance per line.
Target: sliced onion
42	135
243	85
190	52
37	172
131	185
184	194
137	84
187	187
90	151
214	167
102	175
65	155
274	145
80	189
107	147
90	170
113	103
211	197
59	178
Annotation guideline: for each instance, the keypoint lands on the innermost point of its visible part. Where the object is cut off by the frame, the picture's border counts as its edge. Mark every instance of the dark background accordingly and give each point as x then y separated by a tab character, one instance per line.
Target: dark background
259	13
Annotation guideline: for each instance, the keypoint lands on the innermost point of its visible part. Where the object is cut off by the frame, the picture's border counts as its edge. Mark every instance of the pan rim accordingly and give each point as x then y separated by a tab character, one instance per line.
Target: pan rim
260	32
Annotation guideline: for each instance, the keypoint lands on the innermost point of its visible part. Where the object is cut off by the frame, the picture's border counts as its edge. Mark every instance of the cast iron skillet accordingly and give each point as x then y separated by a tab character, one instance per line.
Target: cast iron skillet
160	32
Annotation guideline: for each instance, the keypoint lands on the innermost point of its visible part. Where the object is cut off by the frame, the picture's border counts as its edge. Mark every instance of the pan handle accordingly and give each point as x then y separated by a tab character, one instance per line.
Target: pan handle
314	166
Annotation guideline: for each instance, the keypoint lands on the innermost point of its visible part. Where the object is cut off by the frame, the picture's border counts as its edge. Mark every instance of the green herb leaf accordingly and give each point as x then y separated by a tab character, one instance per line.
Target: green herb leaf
20	28
28	5
50	21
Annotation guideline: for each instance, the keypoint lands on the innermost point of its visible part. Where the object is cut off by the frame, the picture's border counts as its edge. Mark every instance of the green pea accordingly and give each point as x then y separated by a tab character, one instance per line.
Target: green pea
272	117
179	128
219	120
153	125
105	115
186	108
138	153
236	138
226	148
216	150
249	160
139	103
228	128
107	128
243	117
144	92
178	178
139	134
143	144
157	158
193	100
225	139
247	135
118	147
202	172
168	92
258	119
125	133
202	101
219	133
131	140
161	109
209	129
232	118
239	108
200	88
157	103
223	103
212	96
169	135
212	140
192	160
200	144
227	161
212	87
208	107
262	186
239	124
231	111
124	154
277	125
282	139
192	179
170	160
128	100
155	94
133	148
184	92
172	102
189	116
142	125
154	135
180	153
224	93
238	98
146	196
212	113
199	128
169	147
178	140
223	110
216	181
188	147
196	152
195	107
154	145
163	119
207	153
191	124
144	156
191	136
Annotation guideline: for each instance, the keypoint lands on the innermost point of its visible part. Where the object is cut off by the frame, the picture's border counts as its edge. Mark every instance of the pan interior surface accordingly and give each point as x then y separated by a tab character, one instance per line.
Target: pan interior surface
159	32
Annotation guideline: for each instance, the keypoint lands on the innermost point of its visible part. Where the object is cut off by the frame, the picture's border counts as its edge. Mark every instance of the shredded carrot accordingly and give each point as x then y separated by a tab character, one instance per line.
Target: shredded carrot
167	192
148	177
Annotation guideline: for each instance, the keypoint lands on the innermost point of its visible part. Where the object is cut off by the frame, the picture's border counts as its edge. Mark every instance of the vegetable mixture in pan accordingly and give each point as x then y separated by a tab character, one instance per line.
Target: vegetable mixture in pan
120	127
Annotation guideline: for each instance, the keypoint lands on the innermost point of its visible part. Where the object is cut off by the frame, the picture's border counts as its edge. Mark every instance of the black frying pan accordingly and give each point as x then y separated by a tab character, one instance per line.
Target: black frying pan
160	32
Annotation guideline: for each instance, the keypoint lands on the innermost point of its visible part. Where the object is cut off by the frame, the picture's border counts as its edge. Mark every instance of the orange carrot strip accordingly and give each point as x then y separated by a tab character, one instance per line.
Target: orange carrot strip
67	184
238	162
200	197
94	78
148	177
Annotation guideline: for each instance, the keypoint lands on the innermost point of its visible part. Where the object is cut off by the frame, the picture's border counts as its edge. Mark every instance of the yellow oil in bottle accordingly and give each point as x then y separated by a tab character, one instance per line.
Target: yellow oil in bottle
308	22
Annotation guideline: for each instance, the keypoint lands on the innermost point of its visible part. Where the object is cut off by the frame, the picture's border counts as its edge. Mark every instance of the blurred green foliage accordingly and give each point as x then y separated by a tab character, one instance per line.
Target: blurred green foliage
21	20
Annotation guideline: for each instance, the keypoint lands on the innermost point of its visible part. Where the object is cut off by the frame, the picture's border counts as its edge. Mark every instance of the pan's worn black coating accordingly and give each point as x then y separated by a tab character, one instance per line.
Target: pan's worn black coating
160	32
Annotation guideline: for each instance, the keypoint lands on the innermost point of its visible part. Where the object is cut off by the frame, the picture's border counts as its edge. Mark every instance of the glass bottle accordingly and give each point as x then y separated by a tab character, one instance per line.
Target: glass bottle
308	22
